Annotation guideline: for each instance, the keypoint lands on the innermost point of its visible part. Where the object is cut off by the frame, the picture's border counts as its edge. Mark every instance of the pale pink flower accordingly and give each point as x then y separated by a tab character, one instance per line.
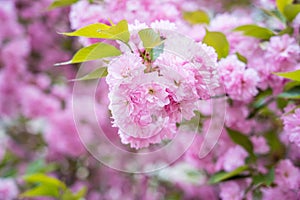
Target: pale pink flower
260	144
287	175
61	134
232	159
240	83
283	53
282	192
292	126
231	190
8	189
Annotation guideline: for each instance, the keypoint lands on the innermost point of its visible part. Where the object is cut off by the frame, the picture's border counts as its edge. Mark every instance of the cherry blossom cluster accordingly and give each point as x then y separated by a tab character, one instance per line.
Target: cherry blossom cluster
148	98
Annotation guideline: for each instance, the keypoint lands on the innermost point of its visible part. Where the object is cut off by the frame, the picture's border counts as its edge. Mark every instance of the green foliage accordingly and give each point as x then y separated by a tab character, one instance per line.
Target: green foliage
156	51
264	179
287	30
103	31
45	180
291	11
294	75
218	41
90	31
242	140
196	17
96	74
46	186
93	52
277	149
41	191
241	58
293	93
222	176
150	38
281	4
61	3
255	31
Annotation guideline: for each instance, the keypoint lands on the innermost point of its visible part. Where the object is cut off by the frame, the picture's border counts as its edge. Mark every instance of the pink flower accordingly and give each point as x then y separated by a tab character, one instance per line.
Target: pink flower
232	159
292	126
8	189
240	83
236	118
147	99
139	111
231	190
126	66
279	193
287	175
283	53
260	144
61	134
33	96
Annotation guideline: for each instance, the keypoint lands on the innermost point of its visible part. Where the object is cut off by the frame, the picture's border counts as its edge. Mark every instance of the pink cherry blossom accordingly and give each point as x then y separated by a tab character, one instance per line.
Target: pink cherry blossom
240	83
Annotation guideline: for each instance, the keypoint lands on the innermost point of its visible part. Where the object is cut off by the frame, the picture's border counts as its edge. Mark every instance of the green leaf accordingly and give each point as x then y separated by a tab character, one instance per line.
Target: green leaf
93	52
103	31
39	166
150	38
96	74
41	191
90	31
222	176
281	4
294	75
253	30
291	85
277	149
61	3
44	180
293	93
264	179
196	17
275	13
241	57
156	51
241	140
218	41
281	103
288	30
291	11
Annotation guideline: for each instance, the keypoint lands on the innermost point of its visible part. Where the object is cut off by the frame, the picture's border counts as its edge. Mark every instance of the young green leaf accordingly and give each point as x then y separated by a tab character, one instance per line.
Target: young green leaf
90	31
218	41
241	57
93	52
103	31
150	38
282	3
156	51
293	93
96	74
120	31
41	191
256	31
264	179
61	3
294	75
222	176
44	180
291	11
241	140
196	17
